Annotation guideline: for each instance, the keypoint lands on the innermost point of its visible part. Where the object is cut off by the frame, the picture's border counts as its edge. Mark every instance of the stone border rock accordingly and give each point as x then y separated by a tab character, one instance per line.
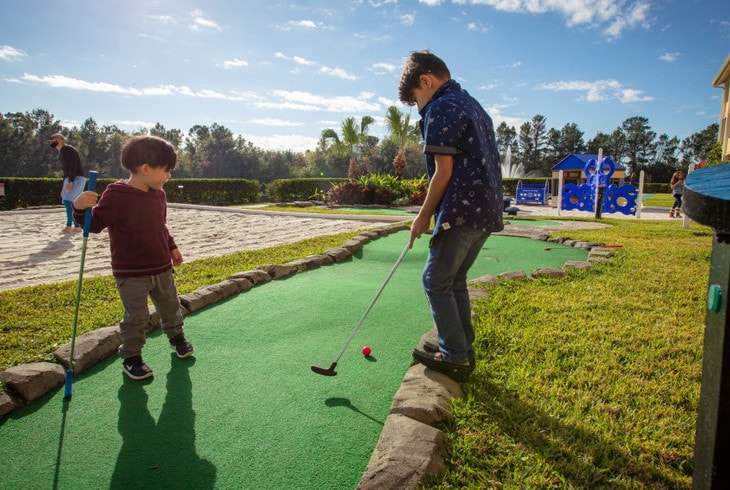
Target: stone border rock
412	446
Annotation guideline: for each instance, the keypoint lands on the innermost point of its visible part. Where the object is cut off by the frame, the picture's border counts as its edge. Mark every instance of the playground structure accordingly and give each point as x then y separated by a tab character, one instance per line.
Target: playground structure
598	194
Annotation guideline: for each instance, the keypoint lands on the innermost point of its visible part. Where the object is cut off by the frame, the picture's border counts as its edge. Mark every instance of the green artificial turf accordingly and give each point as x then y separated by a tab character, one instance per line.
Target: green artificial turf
247	411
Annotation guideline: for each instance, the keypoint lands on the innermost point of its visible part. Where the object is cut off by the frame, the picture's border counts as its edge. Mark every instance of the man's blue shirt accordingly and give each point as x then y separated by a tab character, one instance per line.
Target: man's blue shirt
454	123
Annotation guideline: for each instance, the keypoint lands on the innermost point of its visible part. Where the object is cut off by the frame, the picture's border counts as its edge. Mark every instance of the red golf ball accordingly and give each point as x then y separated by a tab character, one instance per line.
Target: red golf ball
366	351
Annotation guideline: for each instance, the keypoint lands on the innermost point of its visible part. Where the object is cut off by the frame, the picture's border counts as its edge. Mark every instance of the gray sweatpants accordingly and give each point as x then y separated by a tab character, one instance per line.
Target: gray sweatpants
134	292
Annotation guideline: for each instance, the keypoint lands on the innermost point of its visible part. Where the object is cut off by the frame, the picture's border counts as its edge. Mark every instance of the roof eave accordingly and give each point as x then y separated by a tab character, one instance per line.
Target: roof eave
723	76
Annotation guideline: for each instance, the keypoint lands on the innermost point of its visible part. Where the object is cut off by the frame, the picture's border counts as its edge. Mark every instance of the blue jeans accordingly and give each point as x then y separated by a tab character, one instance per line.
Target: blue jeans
452	253
677	201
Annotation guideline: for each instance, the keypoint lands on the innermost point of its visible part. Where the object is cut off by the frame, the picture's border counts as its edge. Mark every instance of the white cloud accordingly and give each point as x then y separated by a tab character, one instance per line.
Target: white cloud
383	68
62	81
163	19
283	142
670	57
629	95
305	101
275	122
336	72
9	53
200	23
389	102
615	15
234	63
598	90
476	27
407	19
296	59
495	112
299	24
134	124
488	86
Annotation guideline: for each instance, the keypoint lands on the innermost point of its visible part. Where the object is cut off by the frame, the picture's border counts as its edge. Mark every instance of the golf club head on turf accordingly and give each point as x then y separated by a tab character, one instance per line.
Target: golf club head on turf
325	372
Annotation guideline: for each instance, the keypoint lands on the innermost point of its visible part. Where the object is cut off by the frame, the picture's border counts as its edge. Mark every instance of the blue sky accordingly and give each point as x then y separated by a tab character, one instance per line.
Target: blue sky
278	73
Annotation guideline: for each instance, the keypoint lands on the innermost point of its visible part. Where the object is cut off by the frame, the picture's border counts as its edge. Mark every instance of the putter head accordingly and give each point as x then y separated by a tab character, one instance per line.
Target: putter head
325	372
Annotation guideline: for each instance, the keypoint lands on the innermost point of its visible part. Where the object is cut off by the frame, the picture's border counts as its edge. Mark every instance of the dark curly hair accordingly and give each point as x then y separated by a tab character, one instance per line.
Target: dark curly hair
155	152
419	63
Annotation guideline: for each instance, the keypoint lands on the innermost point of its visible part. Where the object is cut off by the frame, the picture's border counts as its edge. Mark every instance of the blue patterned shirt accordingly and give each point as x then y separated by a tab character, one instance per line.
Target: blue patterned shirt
454	123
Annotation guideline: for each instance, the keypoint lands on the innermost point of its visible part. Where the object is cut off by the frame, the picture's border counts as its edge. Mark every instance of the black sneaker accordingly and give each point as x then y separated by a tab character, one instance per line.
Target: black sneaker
182	347
135	368
456	371
431	347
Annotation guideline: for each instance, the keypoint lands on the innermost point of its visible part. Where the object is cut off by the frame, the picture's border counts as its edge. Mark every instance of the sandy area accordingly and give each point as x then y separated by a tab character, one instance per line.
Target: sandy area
33	249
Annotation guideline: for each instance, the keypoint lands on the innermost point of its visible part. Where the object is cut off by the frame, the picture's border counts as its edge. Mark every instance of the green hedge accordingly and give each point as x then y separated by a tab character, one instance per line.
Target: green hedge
25	193
217	192
657	188
287	190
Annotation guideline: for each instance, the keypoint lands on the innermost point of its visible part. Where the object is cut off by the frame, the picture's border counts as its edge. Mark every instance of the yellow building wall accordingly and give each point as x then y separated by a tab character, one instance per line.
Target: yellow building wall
723	79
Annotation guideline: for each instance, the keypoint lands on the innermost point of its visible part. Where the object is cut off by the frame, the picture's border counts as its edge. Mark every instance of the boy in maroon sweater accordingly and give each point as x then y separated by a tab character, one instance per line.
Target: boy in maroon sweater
142	249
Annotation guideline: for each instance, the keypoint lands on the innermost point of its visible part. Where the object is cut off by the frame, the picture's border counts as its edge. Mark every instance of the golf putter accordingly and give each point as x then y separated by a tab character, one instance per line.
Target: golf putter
330	371
87	224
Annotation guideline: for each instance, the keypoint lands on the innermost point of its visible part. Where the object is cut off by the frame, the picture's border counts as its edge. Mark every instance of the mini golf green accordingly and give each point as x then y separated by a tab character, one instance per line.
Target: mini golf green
247	411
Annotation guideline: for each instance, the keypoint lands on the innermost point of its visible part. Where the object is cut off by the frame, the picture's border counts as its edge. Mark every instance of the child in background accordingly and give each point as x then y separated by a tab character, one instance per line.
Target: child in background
677	184
143	252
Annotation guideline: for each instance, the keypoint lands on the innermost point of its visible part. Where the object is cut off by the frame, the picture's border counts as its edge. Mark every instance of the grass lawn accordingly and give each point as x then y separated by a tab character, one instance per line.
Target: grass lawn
659	200
588	381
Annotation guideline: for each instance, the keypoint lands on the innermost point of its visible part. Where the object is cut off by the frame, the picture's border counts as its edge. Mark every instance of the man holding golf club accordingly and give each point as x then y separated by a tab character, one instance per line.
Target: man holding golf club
464	196
142	249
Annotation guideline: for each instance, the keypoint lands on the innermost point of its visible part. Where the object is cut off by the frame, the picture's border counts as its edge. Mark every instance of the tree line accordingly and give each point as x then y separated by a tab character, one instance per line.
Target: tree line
348	151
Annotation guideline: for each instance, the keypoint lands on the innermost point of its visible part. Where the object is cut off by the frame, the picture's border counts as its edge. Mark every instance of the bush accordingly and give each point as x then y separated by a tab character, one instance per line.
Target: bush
349	192
384	190
287	190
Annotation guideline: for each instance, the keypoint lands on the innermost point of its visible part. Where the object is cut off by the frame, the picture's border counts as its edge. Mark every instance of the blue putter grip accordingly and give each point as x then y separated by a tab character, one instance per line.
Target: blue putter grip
93	174
68	390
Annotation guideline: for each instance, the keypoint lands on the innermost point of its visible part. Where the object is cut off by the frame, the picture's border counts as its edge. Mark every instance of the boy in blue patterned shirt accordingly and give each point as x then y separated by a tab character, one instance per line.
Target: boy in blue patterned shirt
464	196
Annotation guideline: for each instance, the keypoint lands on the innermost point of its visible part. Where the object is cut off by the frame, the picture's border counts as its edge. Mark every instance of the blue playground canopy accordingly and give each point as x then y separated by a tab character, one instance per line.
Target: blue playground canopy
578	161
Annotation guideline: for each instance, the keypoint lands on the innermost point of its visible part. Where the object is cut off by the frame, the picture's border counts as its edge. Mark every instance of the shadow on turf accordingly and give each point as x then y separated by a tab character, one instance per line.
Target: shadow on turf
59	452
337	401
160	453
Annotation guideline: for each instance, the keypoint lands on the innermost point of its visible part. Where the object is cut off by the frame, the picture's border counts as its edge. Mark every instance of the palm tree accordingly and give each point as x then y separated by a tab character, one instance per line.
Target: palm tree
352	137
402	133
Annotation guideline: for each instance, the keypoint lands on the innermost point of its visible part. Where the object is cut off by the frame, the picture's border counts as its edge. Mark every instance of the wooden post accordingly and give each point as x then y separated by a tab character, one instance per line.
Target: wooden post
560	191
707	201
598	198
640	199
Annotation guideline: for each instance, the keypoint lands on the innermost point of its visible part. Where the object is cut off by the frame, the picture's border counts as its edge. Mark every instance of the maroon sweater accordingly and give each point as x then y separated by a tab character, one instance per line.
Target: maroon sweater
139	239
